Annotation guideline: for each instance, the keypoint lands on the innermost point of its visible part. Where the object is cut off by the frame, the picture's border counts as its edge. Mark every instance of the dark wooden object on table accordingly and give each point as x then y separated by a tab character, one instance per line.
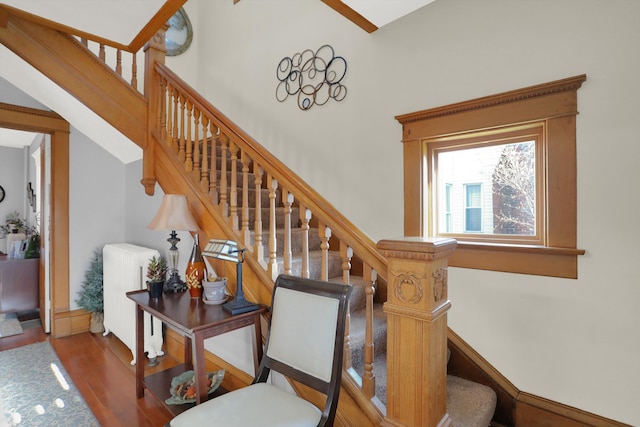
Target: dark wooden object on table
196	321
18	284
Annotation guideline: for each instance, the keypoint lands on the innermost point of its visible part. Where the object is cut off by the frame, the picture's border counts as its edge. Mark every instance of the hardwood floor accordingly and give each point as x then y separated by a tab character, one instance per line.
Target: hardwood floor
101	370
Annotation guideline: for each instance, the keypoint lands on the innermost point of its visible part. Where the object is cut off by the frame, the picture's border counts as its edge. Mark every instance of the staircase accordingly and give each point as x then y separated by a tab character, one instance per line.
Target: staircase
468	403
244	193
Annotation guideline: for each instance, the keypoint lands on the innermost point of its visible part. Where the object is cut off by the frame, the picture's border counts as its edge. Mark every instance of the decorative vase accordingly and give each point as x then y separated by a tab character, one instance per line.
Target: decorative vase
196	270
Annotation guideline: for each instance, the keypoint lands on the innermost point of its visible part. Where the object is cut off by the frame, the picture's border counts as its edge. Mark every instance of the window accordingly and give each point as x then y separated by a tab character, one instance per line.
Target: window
498	174
472	209
447	207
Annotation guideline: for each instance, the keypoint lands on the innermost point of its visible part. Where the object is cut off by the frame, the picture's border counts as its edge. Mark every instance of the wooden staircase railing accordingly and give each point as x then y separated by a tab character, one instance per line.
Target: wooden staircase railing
123	62
199	135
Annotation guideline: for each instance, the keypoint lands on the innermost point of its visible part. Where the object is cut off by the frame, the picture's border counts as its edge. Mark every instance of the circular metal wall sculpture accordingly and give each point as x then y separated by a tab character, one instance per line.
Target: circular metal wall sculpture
315	77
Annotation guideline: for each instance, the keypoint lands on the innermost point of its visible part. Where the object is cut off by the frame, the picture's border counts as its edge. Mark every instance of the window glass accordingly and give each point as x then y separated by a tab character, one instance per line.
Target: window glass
473	209
506	173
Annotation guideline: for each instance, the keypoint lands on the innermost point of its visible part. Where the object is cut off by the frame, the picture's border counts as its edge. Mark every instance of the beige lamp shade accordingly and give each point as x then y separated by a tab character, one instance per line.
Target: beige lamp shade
174	214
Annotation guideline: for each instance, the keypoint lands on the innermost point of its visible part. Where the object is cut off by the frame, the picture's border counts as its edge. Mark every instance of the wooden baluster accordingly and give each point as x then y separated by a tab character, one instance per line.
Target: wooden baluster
161	83
213	173
224	205
182	154
325	233
134	71
188	161
287	200
102	54
273	263
119	62
233	195
175	144
257	227
246	234
84	42
346	253
305	217
204	175
196	143
170	115
163	109
368	377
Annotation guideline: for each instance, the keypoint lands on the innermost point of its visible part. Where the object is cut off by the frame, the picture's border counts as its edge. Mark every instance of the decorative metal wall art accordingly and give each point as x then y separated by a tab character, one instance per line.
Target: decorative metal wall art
315	77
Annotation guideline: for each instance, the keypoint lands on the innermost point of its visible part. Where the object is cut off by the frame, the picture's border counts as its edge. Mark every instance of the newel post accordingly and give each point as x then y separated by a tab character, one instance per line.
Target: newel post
155	51
416	309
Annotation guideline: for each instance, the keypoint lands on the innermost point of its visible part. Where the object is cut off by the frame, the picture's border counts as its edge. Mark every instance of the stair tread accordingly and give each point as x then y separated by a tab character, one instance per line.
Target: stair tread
469	404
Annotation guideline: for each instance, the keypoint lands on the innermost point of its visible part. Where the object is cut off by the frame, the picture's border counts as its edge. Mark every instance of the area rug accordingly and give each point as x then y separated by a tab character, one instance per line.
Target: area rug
9	325
36	390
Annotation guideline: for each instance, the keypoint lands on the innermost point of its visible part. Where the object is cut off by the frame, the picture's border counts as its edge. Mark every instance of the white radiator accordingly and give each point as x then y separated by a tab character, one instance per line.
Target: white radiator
125	268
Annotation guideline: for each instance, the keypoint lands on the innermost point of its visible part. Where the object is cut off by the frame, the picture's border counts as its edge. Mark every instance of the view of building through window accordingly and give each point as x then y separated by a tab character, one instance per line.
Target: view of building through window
486	189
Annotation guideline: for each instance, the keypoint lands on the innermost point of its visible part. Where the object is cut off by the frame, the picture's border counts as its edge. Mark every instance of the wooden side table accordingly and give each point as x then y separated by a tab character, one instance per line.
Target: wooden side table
196	321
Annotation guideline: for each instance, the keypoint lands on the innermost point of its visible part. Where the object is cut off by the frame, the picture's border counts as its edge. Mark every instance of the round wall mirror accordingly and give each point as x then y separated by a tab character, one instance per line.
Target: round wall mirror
179	34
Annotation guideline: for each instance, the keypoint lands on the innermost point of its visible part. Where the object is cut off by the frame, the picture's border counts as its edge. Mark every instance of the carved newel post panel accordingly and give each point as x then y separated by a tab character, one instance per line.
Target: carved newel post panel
416	309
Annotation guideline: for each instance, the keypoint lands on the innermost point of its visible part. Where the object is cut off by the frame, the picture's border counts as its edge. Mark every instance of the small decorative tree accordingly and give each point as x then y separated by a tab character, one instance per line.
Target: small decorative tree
91	296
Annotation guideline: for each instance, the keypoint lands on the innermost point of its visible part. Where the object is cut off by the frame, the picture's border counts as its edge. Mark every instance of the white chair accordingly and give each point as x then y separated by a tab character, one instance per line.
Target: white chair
304	343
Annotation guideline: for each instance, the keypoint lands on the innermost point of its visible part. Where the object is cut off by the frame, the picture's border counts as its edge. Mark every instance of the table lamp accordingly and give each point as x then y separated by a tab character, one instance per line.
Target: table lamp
228	250
174	215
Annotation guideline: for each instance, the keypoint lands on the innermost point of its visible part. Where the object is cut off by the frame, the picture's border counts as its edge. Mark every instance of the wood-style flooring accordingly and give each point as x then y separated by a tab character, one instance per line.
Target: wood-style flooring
101	370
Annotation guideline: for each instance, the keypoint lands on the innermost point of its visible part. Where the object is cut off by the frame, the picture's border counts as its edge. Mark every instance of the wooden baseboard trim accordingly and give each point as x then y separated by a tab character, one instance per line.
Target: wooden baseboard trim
547	412
71	322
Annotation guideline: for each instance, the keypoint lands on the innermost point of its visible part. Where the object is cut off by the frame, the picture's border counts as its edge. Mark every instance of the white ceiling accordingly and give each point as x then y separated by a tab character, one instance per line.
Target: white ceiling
382	12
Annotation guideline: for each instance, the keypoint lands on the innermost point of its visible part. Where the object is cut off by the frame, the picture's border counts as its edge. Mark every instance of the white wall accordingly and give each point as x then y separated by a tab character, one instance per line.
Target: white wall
572	341
12	169
96	205
16	170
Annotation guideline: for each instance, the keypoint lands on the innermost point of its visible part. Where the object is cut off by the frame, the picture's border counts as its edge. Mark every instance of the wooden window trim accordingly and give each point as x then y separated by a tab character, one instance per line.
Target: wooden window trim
554	104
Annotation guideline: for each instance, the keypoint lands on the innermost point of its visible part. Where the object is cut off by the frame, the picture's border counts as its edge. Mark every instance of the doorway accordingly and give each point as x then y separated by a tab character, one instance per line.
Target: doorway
54	240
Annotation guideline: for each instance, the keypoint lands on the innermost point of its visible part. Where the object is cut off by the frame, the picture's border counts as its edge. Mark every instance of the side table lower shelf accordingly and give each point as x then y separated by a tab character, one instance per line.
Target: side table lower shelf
159	385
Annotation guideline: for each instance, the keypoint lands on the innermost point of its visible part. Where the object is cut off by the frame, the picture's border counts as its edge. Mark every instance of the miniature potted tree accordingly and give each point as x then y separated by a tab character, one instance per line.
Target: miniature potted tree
91	295
157	274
